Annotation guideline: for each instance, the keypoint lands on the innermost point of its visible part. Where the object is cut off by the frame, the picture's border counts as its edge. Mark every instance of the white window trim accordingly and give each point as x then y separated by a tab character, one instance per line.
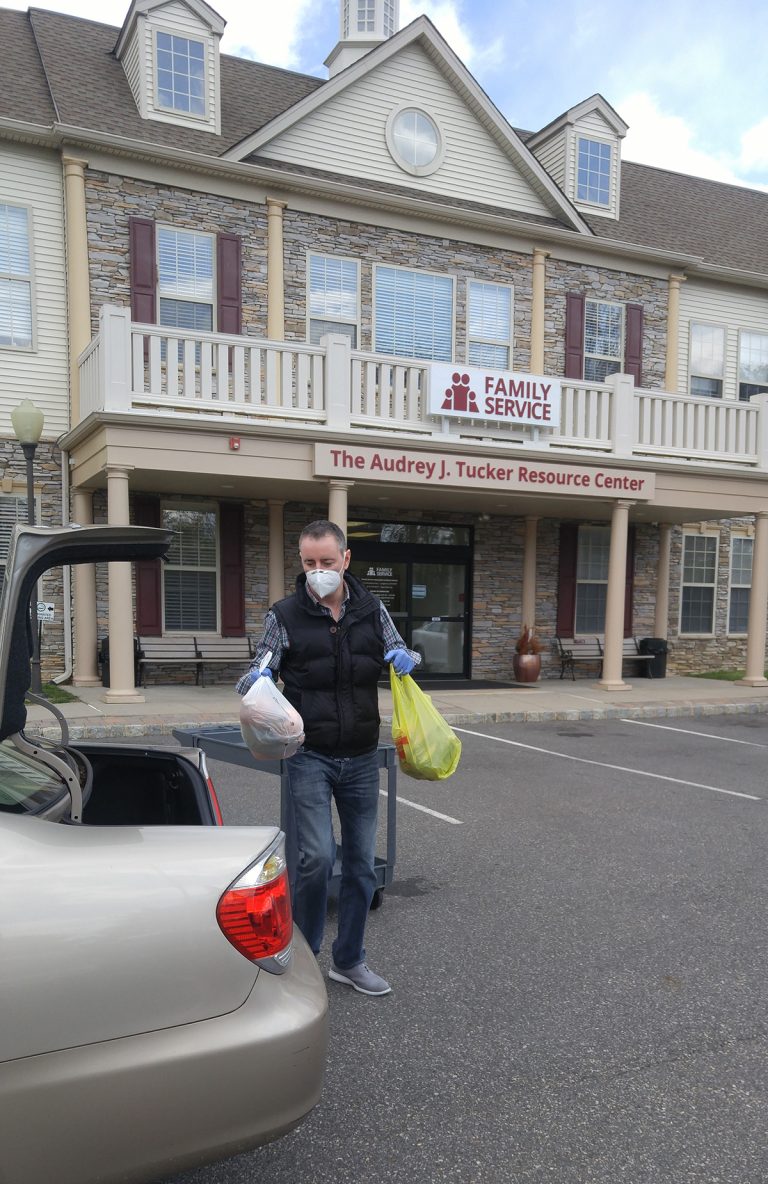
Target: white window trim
161	294
32	347
696	534
739	380
489	340
416	170
205	508
694	374
174	112
358	296
737	534
411	271
606	207
622	335
577	581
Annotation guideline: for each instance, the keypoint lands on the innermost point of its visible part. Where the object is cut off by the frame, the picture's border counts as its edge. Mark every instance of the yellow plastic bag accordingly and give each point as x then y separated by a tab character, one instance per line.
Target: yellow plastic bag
427	748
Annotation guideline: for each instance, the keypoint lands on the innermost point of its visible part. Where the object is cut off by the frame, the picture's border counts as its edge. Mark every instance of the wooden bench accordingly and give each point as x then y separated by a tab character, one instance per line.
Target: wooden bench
171	650
224	651
572	650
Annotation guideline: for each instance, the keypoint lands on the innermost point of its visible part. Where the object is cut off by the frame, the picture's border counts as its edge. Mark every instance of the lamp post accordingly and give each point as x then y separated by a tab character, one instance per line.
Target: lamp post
27	421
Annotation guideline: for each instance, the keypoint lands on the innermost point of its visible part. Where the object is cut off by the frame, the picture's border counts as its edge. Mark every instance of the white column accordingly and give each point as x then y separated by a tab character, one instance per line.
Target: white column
673	332
338	498
529	574
275	271
614	607
78	280
758	607
122	688
276	554
85	672
538	285
661	615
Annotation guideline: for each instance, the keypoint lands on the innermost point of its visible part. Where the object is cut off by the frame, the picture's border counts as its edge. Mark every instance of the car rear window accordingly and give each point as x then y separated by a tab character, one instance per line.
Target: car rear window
25	786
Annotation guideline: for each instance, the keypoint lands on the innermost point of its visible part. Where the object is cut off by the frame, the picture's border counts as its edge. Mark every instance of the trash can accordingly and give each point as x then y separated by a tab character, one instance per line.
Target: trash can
103	658
659	647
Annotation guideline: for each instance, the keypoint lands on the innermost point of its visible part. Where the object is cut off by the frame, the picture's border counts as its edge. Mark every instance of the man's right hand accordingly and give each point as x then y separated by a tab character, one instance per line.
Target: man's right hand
255	675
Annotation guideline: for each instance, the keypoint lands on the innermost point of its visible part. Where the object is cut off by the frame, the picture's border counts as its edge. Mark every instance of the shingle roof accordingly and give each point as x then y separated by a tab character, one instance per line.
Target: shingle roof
725	225
77	51
24	94
58	67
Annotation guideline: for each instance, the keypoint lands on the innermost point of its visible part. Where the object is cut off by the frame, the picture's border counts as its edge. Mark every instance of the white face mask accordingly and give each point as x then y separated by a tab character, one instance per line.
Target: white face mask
324	582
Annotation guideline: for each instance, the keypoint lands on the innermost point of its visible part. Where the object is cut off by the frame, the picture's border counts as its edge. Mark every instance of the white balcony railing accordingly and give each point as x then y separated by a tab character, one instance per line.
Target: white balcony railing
150	368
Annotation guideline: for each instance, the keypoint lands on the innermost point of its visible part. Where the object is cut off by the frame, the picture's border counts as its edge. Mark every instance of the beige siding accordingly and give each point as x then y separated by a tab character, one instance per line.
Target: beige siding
347	135
32	178
132	67
735	309
552	156
180	21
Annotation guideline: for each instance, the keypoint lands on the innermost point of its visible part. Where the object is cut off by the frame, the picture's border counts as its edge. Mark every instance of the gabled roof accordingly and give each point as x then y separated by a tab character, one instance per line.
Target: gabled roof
423	32
24	94
574	114
203	11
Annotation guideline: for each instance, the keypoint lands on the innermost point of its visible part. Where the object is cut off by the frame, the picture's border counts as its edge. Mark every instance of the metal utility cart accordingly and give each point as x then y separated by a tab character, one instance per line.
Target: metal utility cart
225	743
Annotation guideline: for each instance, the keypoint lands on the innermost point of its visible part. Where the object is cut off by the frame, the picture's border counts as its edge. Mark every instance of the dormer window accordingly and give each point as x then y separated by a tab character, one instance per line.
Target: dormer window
594	172
180	74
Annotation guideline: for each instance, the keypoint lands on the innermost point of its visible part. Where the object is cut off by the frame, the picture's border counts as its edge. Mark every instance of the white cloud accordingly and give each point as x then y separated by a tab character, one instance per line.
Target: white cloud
667	141
266	33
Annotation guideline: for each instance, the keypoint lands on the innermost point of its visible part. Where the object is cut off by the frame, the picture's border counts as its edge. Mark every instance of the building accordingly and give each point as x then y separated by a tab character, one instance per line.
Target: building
530	379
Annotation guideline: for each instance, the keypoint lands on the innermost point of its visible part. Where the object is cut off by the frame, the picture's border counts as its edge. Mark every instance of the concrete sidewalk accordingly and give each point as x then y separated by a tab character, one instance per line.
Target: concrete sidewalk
169	707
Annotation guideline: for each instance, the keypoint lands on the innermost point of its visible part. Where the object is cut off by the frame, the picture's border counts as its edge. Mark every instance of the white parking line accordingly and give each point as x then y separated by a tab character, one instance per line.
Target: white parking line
424	809
582	760
687	732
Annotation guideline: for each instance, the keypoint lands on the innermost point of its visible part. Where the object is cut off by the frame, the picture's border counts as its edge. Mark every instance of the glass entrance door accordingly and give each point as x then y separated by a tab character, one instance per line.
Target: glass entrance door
438	616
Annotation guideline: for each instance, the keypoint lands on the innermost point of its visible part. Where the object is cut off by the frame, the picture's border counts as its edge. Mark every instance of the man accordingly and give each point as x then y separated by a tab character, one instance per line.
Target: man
329	642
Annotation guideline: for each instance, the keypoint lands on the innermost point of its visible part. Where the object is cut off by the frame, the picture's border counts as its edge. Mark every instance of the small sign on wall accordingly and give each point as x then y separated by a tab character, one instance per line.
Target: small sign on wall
44	611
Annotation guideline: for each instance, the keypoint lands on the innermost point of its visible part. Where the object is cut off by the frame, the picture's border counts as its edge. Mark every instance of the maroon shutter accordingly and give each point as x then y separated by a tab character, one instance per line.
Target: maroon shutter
143	268
633	346
574	335
630	583
566	579
228	281
232	552
149	616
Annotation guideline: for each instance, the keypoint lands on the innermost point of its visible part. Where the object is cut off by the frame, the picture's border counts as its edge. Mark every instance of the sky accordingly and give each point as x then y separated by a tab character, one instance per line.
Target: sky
688	76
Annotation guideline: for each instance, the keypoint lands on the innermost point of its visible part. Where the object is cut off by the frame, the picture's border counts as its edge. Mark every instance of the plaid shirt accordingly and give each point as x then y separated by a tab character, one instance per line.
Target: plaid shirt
275	639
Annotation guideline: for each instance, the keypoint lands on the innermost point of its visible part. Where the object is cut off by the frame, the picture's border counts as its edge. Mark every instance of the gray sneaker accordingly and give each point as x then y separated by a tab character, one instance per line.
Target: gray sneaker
361	978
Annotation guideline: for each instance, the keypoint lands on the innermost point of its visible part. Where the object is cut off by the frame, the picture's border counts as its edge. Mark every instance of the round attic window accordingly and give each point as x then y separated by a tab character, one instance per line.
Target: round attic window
414	140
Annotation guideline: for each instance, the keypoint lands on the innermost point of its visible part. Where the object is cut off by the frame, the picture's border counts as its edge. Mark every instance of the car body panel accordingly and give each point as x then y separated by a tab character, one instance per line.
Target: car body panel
139	1108
108	931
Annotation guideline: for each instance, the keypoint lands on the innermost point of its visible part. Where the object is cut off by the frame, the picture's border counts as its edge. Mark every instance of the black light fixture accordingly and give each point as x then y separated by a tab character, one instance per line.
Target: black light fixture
27	421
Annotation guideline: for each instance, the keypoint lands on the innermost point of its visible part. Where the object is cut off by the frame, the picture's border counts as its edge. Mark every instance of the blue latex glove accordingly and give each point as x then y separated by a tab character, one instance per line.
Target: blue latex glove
254	676
401	660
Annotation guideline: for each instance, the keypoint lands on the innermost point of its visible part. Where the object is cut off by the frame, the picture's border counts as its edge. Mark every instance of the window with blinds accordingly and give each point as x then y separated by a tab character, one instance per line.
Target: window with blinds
489	324
706	365
741	584
414	314
185	279
190	576
333	297
603	339
15	277
592	579
12	510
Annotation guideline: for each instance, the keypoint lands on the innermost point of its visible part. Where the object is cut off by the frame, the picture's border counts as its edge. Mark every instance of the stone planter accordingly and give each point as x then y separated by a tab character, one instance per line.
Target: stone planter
526	667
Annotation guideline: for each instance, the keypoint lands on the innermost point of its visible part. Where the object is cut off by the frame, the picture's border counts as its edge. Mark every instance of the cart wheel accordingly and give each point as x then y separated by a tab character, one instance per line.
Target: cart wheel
378	899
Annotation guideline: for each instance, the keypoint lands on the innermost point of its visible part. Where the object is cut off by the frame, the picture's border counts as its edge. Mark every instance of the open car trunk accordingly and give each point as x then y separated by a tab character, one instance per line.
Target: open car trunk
135	785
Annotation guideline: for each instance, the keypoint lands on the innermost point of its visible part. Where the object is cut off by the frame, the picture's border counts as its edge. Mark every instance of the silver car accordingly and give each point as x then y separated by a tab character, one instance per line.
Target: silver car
157	1009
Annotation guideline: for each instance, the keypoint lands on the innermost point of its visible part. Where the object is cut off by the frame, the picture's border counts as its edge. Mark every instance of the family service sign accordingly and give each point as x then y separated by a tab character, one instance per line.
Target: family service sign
470	472
469	392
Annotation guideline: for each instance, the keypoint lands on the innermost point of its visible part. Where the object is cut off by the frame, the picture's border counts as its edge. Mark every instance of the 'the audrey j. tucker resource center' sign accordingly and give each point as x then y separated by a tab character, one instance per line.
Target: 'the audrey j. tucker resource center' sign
469	392
363	463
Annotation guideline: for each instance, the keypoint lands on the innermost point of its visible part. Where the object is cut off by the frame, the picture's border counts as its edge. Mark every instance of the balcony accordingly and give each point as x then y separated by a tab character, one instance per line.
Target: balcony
243	381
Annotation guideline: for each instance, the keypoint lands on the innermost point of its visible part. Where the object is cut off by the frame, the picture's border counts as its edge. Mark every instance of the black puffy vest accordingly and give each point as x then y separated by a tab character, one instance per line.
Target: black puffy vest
331	669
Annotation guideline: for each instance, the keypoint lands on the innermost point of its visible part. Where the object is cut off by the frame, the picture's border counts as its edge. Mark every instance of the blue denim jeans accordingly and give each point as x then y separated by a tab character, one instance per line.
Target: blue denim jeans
353	782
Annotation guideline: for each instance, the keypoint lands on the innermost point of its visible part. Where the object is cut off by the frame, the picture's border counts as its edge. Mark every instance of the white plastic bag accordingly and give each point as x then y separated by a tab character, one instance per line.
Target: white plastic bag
270	727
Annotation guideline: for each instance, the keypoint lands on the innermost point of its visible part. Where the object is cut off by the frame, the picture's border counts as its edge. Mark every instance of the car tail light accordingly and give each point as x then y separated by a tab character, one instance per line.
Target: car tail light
254	914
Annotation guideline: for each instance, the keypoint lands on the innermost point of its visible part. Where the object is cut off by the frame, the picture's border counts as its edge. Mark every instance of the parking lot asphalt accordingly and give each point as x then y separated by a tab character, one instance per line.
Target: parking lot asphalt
578	952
